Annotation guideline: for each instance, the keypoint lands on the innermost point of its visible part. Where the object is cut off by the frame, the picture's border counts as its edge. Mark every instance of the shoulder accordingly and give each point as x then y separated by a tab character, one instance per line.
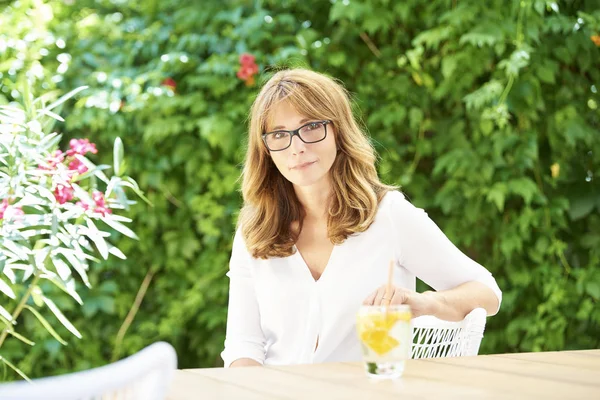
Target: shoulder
392	201
239	250
396	207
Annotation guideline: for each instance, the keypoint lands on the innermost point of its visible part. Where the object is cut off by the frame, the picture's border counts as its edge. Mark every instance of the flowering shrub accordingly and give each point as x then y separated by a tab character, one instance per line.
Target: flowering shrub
53	215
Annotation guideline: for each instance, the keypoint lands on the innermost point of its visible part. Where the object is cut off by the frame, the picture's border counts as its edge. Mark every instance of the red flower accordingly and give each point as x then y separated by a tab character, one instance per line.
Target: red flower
247	59
170	83
248	69
63	193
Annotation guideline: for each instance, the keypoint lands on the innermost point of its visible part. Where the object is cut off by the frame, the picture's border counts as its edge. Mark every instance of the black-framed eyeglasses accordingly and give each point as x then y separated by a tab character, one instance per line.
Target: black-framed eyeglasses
311	132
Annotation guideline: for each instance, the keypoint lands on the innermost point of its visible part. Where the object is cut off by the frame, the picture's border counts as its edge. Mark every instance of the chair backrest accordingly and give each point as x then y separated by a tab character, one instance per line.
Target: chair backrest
145	375
433	337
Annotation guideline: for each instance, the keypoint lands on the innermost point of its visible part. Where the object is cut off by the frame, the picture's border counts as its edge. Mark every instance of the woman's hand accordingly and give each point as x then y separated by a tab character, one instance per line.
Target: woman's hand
420	303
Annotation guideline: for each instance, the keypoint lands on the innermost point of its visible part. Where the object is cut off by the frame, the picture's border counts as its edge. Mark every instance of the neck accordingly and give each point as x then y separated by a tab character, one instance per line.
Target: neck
315	199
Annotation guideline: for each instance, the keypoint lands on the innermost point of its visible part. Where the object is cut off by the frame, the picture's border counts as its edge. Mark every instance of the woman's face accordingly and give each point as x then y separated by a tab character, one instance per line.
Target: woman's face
303	164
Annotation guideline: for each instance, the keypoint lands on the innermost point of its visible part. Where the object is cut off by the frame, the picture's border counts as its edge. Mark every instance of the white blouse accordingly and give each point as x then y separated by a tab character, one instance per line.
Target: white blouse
277	311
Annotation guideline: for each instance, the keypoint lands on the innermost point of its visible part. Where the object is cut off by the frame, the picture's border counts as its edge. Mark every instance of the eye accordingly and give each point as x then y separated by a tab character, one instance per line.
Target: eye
313	126
279	135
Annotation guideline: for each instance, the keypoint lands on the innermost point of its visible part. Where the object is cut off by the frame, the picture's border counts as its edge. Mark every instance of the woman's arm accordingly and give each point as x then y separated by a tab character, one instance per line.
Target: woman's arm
455	304
245	362
244	341
461	284
449	305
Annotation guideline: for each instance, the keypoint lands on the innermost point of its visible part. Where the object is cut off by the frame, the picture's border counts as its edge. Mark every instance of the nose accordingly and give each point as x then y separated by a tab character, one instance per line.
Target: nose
297	146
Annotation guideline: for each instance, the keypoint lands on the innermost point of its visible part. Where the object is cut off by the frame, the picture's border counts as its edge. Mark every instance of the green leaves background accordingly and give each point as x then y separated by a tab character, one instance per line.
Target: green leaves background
469	104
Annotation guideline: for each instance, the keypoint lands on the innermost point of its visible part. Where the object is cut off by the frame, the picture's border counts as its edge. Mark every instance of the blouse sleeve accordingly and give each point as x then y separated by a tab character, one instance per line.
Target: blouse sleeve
427	253
244	337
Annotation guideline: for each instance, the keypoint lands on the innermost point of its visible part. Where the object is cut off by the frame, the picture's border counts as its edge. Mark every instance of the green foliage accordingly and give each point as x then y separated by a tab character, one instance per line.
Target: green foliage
485	112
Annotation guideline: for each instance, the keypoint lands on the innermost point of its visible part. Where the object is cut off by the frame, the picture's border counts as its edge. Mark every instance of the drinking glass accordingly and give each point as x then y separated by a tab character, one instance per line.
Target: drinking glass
386	339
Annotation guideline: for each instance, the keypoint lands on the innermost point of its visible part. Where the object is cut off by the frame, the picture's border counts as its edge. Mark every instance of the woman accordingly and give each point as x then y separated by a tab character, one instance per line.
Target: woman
317	232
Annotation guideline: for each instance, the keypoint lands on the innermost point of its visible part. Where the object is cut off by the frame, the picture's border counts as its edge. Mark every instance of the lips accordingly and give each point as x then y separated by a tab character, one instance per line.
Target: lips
303	165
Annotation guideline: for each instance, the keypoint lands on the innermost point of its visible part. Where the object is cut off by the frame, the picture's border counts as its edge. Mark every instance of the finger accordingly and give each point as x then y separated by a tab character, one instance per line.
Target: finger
370	299
388	298
379	296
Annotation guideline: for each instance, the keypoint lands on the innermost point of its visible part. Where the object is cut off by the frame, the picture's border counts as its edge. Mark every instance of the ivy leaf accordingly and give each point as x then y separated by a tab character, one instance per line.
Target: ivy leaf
497	194
593	289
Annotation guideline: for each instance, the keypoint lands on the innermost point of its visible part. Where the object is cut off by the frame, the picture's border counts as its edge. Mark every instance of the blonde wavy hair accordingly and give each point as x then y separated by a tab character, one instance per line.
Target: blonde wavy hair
270	202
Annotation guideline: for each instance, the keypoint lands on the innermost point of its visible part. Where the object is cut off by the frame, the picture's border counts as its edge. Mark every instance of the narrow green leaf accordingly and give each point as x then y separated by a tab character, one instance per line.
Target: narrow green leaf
116	252
63	320
119	227
21	251
95	236
133	185
50	141
36	295
62	268
46	325
79	265
51	115
5	314
68	290
64	98
90	172
20	337
6	322
14	368
6	289
118	156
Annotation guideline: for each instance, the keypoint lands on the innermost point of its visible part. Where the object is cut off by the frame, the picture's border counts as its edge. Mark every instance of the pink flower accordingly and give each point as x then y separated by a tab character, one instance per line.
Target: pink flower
103	210
51	163
100	201
77	165
14	213
8	212
63	193
3	207
98	198
83	205
81	146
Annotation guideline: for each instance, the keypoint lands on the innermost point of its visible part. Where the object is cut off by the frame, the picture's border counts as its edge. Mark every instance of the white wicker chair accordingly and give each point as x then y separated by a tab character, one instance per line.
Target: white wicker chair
145	375
433	337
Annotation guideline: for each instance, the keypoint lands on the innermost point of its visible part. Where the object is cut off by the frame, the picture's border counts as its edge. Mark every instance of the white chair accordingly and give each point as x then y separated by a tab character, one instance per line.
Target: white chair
433	337
145	375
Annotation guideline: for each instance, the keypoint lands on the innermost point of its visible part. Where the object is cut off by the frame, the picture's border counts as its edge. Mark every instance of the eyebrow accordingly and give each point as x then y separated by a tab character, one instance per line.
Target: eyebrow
282	127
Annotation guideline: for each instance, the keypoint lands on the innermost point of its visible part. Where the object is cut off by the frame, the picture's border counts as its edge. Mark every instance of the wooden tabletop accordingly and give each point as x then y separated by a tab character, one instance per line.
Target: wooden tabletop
561	375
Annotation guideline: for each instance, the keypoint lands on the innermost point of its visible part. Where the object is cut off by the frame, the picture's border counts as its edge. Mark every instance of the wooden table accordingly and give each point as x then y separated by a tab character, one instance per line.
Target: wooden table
561	375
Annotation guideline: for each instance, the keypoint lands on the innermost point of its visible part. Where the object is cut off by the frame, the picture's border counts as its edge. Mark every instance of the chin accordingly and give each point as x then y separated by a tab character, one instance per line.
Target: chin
305	180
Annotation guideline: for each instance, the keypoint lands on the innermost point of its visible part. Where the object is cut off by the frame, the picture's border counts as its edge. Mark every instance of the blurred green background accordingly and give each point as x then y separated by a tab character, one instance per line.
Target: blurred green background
485	112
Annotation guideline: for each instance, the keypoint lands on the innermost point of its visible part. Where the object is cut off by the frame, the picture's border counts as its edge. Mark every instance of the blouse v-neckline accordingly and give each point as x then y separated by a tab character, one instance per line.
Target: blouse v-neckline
305	266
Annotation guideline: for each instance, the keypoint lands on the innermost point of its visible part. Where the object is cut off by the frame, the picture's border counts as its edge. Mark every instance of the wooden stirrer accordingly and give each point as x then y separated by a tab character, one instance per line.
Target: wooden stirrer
388	288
